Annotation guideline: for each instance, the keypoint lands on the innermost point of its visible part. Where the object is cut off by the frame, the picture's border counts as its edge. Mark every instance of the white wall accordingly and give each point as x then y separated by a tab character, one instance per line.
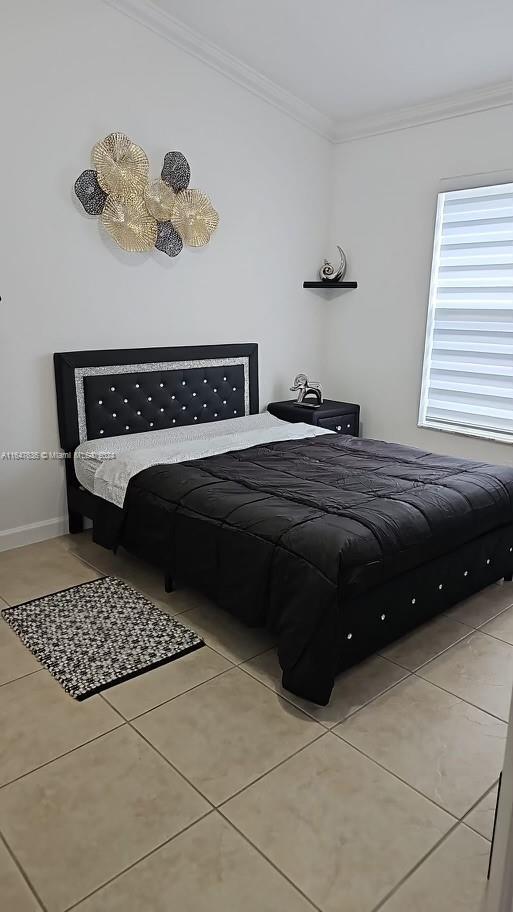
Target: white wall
71	72
384	212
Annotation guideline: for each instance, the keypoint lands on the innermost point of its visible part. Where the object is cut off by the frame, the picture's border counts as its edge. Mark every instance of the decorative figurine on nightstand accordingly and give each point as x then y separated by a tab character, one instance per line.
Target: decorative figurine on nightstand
304	387
328	273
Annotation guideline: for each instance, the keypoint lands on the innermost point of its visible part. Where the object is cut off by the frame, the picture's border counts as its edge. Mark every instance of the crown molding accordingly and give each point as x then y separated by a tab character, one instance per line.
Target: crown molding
494	96
153	17
162	23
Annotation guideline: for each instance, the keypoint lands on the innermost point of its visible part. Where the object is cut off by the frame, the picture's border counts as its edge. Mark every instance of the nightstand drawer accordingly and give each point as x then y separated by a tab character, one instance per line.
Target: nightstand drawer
342	424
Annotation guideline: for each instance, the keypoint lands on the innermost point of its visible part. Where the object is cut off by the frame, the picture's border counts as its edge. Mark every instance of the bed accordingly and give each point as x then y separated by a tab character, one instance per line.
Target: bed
337	545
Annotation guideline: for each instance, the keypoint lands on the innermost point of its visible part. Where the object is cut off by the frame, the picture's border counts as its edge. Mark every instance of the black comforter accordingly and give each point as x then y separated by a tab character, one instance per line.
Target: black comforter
286	534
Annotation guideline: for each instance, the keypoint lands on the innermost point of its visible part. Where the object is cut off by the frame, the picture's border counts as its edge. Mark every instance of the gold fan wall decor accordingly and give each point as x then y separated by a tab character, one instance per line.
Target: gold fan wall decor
122	166
160	200
129	223
139	214
194	217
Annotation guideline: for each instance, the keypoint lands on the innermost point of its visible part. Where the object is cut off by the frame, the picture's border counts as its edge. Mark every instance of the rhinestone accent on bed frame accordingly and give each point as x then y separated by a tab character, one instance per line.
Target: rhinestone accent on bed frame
82	372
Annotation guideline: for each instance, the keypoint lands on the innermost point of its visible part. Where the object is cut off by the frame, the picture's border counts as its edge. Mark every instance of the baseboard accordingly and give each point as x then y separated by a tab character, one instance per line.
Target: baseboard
33	532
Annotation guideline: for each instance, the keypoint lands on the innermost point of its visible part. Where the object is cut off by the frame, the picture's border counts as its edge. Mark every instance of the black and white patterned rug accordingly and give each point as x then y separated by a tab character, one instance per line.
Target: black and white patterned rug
98	634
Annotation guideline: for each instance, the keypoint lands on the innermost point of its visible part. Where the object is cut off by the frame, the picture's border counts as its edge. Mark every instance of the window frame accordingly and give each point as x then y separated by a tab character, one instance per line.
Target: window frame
423	422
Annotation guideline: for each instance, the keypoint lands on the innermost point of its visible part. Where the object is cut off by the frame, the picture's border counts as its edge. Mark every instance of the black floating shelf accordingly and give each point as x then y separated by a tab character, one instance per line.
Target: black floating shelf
330	284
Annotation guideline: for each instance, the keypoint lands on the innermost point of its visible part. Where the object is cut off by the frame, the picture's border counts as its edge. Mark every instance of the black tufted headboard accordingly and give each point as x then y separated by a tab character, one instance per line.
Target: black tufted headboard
109	393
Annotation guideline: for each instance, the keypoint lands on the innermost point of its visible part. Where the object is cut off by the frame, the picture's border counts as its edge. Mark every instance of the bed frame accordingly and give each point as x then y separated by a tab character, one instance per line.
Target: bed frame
128	391
109	393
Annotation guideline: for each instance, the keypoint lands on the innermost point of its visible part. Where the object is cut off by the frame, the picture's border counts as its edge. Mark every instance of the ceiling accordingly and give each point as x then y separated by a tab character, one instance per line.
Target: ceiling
354	59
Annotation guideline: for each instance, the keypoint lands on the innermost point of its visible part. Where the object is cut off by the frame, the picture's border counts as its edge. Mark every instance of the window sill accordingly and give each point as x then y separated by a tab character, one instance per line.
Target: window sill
496	436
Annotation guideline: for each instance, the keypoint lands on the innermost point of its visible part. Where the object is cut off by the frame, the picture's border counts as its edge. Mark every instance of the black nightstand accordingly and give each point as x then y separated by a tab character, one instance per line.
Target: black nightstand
342	417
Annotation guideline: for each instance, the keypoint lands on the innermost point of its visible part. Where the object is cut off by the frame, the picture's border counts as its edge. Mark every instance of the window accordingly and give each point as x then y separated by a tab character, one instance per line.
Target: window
467	382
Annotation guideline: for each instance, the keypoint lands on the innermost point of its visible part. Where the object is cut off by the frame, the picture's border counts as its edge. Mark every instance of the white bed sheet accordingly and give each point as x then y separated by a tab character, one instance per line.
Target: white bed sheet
104	467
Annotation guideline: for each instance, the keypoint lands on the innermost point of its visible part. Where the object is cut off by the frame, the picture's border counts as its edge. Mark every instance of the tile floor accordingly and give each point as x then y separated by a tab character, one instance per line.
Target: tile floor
203	786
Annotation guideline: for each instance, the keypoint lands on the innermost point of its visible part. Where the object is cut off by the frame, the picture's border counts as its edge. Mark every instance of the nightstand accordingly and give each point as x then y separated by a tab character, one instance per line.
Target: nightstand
342	417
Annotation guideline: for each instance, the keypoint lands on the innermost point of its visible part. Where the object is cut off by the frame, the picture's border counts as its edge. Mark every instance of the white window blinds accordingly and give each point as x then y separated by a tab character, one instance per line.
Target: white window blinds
467	382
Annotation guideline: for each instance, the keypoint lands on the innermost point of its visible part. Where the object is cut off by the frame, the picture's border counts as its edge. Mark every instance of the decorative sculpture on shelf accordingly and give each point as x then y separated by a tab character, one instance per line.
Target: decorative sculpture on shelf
304	388
138	213
328	273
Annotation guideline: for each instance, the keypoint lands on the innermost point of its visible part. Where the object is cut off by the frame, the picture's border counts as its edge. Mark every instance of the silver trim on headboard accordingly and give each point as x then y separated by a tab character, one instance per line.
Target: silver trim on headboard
81	372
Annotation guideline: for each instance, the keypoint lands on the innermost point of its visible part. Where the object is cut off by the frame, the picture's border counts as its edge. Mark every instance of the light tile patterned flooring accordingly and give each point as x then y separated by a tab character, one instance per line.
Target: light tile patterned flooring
203	786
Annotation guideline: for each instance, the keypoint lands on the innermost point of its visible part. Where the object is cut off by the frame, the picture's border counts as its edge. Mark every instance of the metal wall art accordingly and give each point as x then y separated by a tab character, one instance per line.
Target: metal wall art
328	273
140	213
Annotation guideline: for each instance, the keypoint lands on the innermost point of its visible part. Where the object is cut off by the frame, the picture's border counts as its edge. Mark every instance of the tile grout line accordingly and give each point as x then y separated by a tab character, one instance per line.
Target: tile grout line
269	860
169	763
424	859
164	702
27	675
272	769
493	636
326	725
416	867
466	636
3	841
467	826
436	656
461	699
72	750
396	776
138	860
367	757
253	781
473	808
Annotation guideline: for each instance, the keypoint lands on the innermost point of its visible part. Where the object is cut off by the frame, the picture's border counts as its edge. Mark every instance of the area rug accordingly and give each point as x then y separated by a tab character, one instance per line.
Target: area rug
98	634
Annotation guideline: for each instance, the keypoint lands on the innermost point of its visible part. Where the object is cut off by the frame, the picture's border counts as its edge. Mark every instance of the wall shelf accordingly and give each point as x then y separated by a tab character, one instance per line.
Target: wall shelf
330	284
